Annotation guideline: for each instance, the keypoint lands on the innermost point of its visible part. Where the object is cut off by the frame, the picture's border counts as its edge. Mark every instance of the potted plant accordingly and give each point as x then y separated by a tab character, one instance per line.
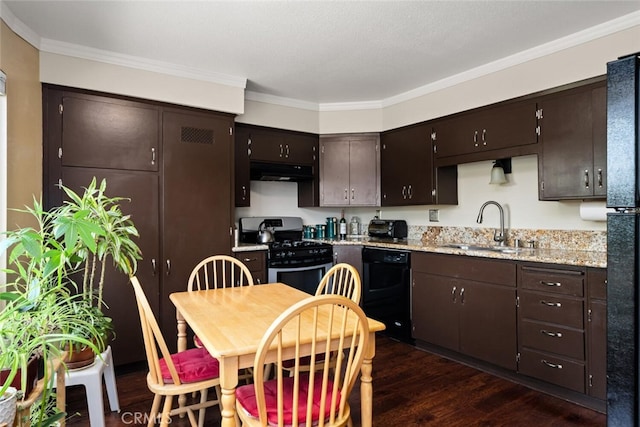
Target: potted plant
57	271
92	229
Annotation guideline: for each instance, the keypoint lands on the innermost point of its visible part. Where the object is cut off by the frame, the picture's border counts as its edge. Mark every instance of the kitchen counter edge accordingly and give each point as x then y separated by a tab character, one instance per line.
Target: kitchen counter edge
550	256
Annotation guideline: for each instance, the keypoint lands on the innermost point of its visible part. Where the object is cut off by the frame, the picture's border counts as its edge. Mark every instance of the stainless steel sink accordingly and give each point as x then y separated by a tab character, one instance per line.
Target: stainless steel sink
473	247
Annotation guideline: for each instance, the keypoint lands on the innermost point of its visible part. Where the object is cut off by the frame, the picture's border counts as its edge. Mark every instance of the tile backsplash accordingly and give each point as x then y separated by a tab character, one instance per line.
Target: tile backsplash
581	240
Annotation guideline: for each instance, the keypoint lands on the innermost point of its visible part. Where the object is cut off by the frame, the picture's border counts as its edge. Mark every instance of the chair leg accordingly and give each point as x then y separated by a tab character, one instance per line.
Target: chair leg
201	412
166	410
155	406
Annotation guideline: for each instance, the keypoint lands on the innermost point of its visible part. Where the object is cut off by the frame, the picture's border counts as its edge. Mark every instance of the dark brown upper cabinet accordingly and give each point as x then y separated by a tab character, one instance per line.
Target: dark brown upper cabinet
242	170
277	146
281	146
108	133
495	131
407	174
349	166
573	158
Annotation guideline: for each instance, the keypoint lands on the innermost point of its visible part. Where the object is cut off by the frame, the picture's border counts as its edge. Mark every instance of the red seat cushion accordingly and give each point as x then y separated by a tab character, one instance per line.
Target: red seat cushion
192	365
246	396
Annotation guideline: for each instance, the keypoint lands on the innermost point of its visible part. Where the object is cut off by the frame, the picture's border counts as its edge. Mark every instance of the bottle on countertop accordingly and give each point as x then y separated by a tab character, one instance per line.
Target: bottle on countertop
343	227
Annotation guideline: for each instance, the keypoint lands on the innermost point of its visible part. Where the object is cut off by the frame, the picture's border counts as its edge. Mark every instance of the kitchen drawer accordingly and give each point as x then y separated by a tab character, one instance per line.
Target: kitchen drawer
497	272
552	308
553	369
256	262
597	283
568	282
552	338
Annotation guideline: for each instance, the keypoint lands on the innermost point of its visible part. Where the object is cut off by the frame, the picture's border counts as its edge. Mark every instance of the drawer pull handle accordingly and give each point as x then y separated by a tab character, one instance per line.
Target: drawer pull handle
249	259
551	334
552	365
542	282
551	304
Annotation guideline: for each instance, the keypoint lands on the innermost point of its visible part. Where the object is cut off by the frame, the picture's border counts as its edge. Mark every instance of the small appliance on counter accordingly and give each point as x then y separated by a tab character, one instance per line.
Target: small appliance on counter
387	229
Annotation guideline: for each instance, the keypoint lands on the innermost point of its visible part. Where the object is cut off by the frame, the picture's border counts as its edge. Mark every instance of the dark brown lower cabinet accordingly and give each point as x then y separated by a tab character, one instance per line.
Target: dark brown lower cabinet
350	254
597	332
467	305
551	332
256	262
142	191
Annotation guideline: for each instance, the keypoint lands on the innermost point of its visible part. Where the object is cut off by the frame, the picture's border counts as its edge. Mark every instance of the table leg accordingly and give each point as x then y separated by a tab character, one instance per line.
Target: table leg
366	383
228	384
182	346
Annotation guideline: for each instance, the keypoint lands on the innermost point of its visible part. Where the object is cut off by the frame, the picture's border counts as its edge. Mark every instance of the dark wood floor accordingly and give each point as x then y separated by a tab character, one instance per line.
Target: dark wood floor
411	388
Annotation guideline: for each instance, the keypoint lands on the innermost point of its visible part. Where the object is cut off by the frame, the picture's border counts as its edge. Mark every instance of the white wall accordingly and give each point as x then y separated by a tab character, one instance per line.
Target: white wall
519	198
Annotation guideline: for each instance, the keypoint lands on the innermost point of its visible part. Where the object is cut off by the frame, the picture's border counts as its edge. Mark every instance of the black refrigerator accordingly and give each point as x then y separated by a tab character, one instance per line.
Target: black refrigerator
623	241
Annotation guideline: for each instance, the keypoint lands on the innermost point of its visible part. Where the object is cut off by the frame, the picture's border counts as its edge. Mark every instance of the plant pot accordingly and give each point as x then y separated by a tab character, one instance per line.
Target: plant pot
32	376
8	406
80	358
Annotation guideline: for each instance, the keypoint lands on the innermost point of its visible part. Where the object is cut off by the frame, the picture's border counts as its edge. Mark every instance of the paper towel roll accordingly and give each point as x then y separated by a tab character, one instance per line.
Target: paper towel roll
594	211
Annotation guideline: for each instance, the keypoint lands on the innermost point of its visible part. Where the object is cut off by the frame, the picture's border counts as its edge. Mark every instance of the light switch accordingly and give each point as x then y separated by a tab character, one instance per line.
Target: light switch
434	215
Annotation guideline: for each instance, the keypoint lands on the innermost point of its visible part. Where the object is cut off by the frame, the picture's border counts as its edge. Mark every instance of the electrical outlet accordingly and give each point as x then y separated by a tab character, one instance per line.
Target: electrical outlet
434	215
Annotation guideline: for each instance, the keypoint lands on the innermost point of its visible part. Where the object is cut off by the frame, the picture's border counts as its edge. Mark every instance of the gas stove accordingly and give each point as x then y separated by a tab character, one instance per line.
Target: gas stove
288	250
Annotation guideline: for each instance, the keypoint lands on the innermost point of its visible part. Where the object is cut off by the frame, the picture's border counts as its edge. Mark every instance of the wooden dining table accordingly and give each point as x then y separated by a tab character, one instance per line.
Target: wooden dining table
230	322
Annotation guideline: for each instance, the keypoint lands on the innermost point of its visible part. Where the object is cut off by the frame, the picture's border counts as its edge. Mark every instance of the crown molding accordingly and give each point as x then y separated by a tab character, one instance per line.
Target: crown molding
83	52
18	27
576	39
279	100
68	49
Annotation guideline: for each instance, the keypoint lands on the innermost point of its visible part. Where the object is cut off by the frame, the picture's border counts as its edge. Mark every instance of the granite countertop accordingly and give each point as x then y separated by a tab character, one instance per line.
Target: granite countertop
551	256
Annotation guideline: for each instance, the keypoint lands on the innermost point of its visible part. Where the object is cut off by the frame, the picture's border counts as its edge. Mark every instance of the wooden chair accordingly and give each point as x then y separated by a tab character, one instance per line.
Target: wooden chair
329	324
217	271
341	279
175	374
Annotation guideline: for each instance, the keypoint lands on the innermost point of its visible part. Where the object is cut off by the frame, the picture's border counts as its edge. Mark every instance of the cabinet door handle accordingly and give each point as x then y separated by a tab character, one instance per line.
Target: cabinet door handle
281	150
410	191
404	191
244	192
600	178
287	152
551	304
153	156
153	266
475	138
551	334
586	178
551	365
461	295
353	194
542	282
453	294
484	137
168	267
346	194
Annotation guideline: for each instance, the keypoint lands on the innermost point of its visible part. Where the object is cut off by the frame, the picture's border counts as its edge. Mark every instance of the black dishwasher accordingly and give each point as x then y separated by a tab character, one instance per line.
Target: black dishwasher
386	290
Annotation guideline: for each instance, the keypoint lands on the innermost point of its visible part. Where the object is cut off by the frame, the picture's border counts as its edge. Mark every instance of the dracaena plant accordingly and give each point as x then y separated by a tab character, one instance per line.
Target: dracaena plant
57	276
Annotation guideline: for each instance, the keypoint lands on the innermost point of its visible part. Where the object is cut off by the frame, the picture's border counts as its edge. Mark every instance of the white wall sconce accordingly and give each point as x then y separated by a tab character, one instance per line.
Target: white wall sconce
499	169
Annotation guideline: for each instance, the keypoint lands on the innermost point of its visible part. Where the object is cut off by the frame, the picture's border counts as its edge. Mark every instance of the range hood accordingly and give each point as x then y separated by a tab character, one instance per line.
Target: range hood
261	171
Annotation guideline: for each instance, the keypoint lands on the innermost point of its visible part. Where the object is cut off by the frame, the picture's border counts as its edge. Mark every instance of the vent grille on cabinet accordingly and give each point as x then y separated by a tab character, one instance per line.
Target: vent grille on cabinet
196	135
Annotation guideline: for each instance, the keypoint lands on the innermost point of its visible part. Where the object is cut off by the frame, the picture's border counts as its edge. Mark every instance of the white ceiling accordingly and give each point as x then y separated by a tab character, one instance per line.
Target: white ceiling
321	52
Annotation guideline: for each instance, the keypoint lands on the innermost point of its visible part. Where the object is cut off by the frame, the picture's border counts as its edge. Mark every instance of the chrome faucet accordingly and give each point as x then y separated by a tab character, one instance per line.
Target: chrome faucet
498	236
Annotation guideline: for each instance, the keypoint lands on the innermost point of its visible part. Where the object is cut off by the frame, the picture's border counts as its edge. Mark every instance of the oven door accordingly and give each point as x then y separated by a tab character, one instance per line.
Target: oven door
304	278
